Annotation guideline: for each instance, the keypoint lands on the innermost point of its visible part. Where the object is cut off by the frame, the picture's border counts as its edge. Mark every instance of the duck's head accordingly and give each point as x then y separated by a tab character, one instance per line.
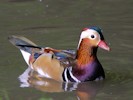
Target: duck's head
95	37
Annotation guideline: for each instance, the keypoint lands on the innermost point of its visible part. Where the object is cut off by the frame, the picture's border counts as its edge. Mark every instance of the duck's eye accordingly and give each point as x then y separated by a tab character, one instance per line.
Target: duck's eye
92	36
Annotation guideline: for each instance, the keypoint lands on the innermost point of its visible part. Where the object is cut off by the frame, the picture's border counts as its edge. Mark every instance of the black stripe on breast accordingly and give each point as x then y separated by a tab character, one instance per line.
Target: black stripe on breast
69	76
63	76
66	75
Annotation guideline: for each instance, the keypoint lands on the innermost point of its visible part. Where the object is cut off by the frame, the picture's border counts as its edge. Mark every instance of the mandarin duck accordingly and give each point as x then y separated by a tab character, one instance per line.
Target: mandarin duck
66	65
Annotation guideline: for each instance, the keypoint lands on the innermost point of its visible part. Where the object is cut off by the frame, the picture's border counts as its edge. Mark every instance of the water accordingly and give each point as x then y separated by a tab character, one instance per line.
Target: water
58	24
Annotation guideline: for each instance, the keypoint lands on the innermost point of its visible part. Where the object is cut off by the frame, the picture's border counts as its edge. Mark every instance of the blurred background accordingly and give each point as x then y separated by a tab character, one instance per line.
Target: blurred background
57	24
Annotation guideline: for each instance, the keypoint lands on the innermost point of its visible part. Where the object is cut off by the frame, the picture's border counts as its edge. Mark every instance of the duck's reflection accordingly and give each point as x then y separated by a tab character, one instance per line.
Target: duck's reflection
84	91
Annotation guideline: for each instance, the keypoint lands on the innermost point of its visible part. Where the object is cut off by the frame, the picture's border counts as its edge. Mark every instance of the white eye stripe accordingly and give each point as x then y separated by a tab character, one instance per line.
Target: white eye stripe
91	34
87	34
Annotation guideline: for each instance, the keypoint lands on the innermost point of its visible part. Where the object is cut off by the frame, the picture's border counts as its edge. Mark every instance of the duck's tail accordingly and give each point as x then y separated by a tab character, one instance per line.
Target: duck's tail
25	45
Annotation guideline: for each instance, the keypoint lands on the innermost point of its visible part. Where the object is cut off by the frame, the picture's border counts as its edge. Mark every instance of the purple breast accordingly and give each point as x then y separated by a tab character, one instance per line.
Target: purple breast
89	72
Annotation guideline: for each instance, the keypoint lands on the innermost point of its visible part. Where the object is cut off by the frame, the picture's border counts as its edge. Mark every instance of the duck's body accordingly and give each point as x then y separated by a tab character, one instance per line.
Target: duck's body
66	65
